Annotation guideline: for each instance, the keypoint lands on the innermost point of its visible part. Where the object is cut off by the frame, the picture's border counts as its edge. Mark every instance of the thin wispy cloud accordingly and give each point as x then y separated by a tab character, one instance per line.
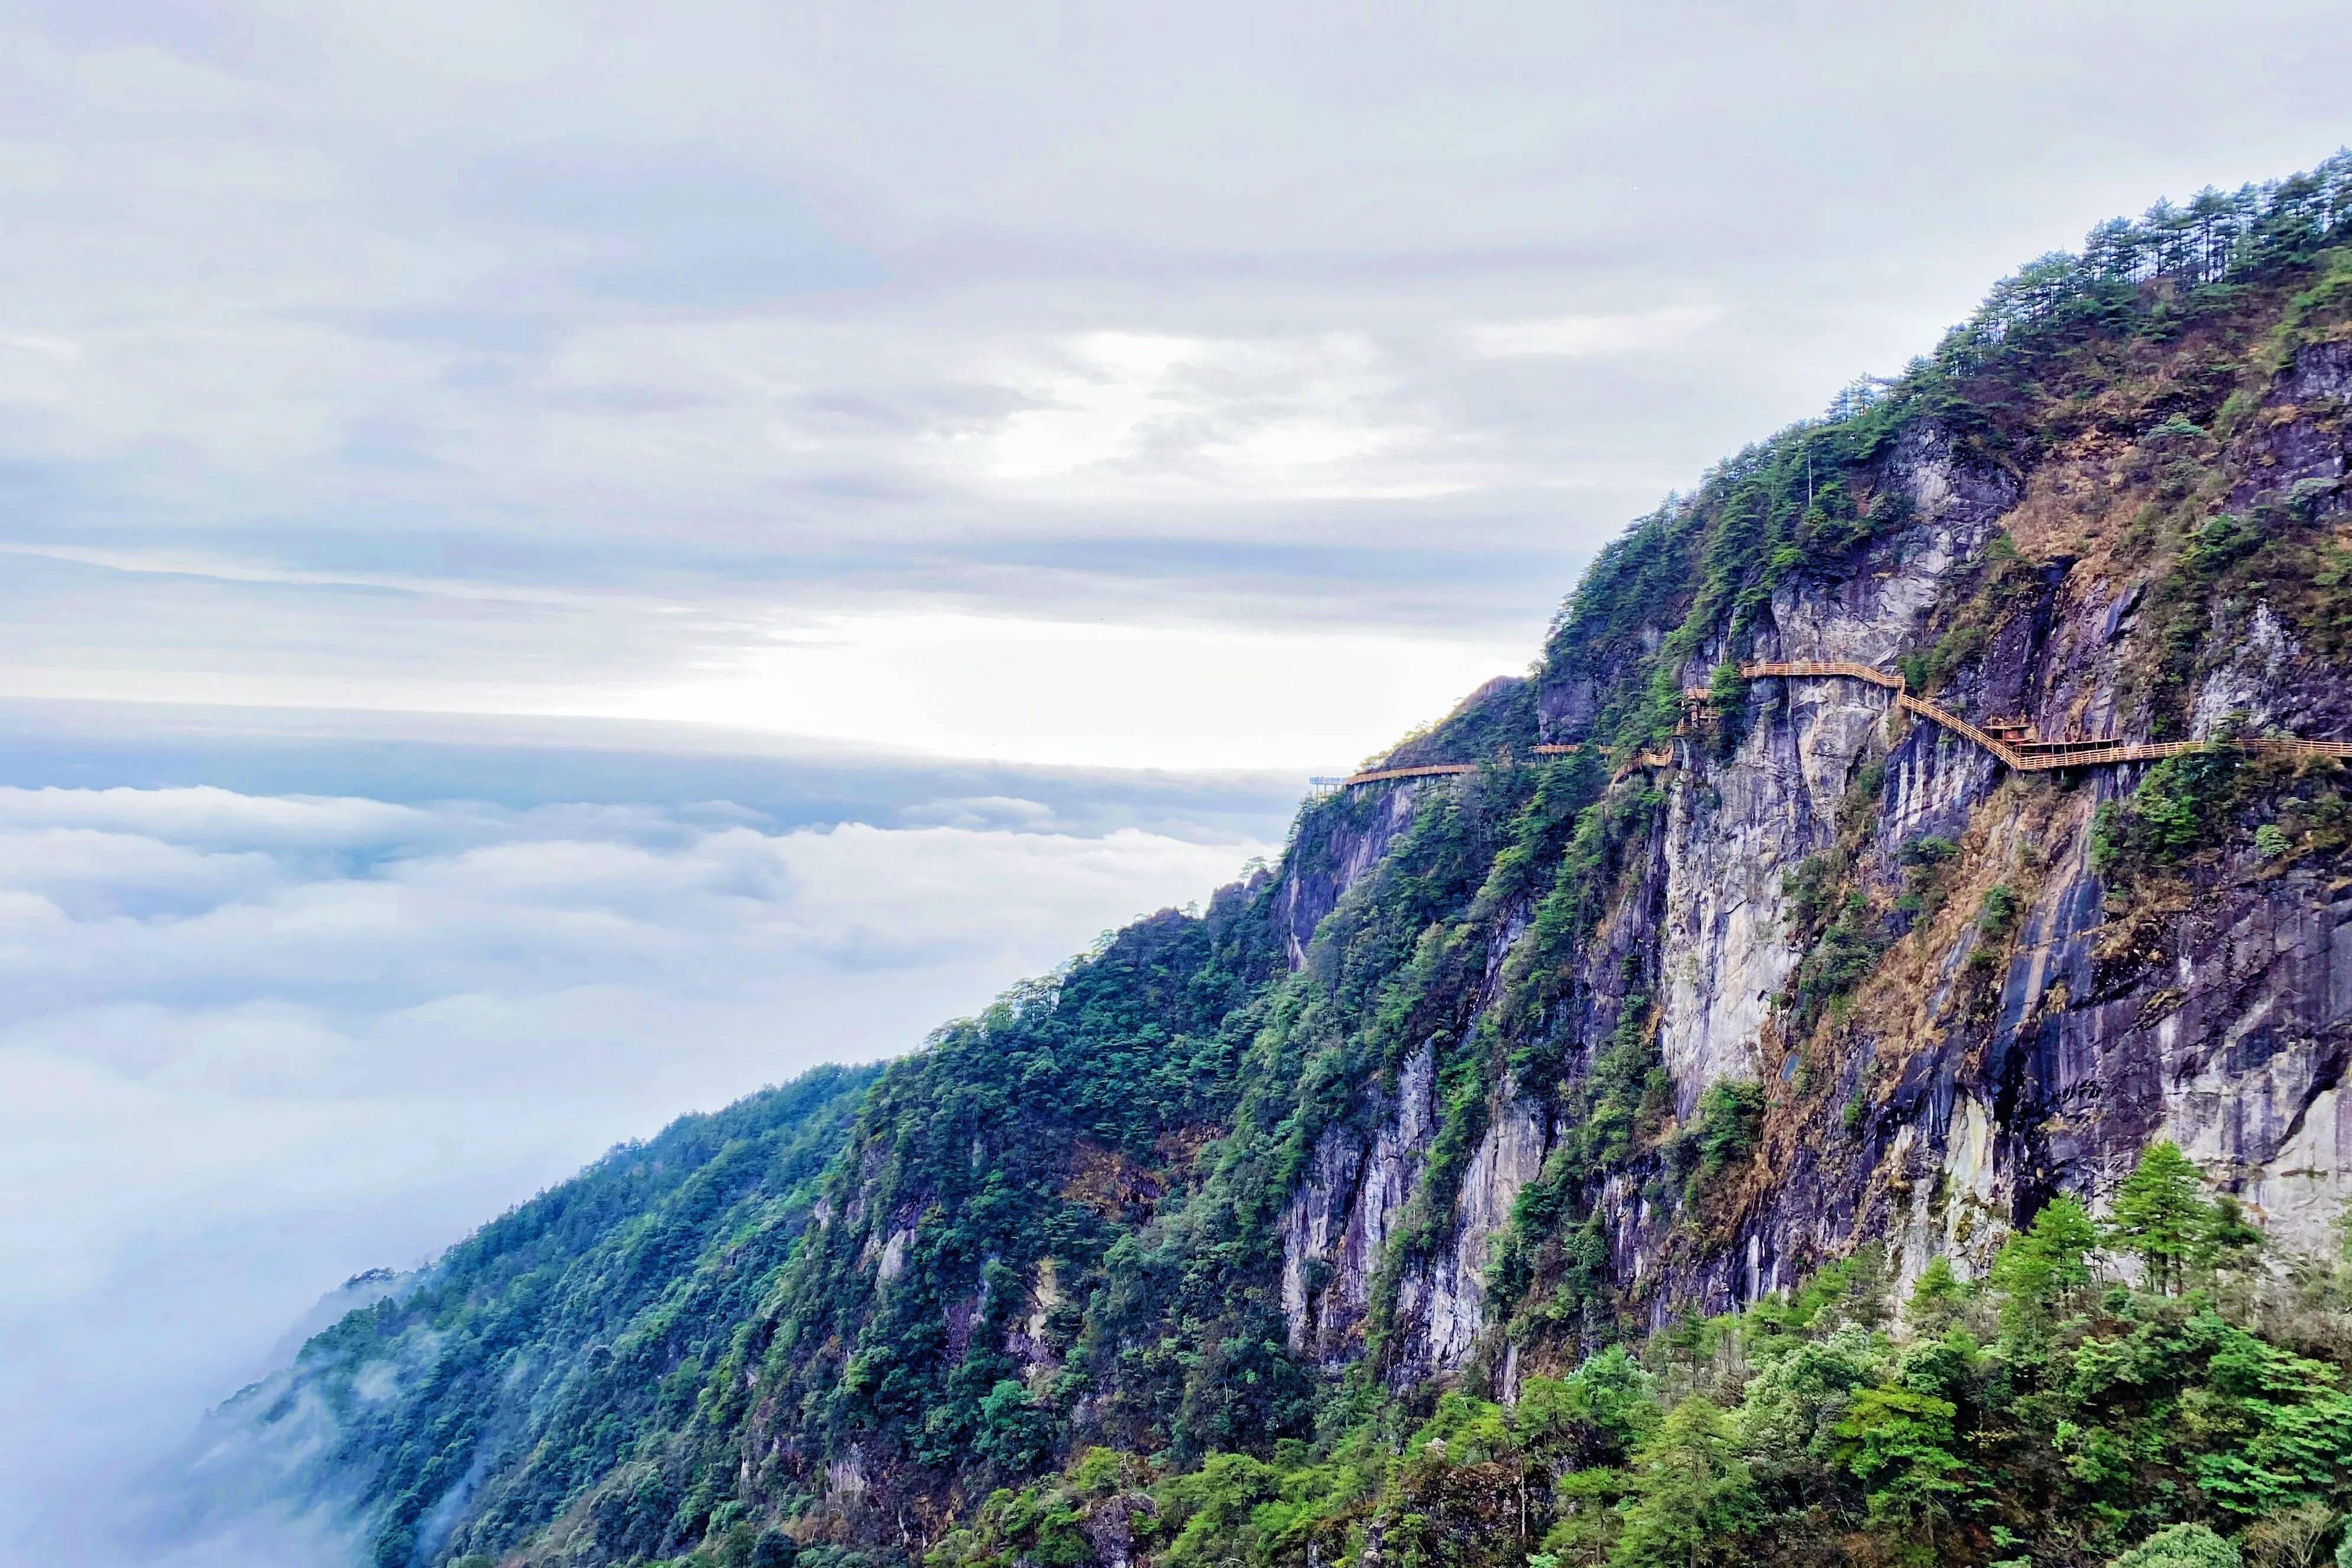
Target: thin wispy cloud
1567	337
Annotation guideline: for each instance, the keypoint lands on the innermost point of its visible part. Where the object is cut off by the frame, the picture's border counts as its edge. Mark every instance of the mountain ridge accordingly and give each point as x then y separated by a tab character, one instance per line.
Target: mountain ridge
1316	1227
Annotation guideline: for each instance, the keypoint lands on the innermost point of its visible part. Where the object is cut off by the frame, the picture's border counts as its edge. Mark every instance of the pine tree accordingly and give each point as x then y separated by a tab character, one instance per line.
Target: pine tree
1696	1495
2231	1240
2042	1269
2161	1215
1936	1301
1899	1442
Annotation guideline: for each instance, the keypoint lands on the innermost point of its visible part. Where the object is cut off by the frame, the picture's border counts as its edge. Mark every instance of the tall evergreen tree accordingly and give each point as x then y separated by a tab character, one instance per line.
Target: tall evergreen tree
1696	1494
1936	1300
2161	1215
2044	1269
1899	1442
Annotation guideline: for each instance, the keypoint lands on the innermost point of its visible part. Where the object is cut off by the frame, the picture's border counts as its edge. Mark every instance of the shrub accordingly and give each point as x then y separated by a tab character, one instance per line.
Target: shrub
2181	807
2181	1546
1997	917
1838	960
1731	1114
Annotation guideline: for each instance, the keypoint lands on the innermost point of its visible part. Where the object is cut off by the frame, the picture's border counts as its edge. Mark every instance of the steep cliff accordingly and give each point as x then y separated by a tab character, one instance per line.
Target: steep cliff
1501	1068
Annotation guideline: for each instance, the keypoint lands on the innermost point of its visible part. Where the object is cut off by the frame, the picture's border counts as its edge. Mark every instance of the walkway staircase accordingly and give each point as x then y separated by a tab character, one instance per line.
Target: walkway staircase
2016	750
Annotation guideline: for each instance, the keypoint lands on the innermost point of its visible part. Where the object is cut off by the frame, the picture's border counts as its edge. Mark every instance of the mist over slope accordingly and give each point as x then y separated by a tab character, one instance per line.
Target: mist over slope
285	1004
1773	1130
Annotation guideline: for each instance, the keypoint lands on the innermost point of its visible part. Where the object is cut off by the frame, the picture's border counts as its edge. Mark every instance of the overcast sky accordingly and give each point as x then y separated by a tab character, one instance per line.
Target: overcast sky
462	424
939	375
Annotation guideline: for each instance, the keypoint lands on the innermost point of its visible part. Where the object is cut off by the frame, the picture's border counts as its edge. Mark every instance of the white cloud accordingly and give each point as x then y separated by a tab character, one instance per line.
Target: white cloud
251	1045
1127	416
92	871
206	816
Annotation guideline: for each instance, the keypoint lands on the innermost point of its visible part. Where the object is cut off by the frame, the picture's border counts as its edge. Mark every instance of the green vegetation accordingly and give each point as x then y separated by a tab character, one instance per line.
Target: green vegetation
1729	1114
2193	810
2185	808
2052	1414
1727	695
2182	1546
1840	932
1845	951
2161	1217
1927	876
556	1335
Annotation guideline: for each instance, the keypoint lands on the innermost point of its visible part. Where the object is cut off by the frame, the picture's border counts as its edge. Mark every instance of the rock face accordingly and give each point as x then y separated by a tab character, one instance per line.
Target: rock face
1967	1097
1444	1301
1308	895
1737	829
1336	1229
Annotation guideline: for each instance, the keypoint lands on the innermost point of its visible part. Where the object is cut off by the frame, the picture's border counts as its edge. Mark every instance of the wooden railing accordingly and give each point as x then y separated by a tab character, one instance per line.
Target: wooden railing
2024	755
1425	771
2035	755
1814	667
1961	727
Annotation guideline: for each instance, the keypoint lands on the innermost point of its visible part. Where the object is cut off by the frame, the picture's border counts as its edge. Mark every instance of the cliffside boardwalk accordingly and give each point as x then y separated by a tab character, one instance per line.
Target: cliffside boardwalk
2023	754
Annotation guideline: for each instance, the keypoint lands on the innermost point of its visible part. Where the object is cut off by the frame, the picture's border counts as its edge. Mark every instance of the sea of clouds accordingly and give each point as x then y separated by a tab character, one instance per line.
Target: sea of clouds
255	1044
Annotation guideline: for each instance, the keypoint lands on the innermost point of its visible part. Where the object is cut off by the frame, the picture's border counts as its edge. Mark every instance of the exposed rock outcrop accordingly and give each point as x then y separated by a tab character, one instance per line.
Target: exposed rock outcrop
1964	1097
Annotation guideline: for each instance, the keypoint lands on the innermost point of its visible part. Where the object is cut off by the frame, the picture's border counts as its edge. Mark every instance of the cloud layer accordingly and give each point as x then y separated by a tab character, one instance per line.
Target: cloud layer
255	1044
512	357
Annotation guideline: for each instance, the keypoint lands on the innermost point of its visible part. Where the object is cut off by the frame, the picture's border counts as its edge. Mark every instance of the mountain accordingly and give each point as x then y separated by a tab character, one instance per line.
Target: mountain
1847	1066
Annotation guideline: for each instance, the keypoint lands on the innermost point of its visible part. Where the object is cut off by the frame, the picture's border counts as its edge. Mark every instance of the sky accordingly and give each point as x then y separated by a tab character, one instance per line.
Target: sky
559	563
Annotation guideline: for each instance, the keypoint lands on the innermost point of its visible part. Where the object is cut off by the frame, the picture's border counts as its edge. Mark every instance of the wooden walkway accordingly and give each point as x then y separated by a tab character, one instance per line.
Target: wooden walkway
2025	754
1663	757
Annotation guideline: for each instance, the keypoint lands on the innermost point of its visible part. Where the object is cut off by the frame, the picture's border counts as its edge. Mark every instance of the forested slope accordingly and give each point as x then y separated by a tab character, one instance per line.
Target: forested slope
1826	1147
